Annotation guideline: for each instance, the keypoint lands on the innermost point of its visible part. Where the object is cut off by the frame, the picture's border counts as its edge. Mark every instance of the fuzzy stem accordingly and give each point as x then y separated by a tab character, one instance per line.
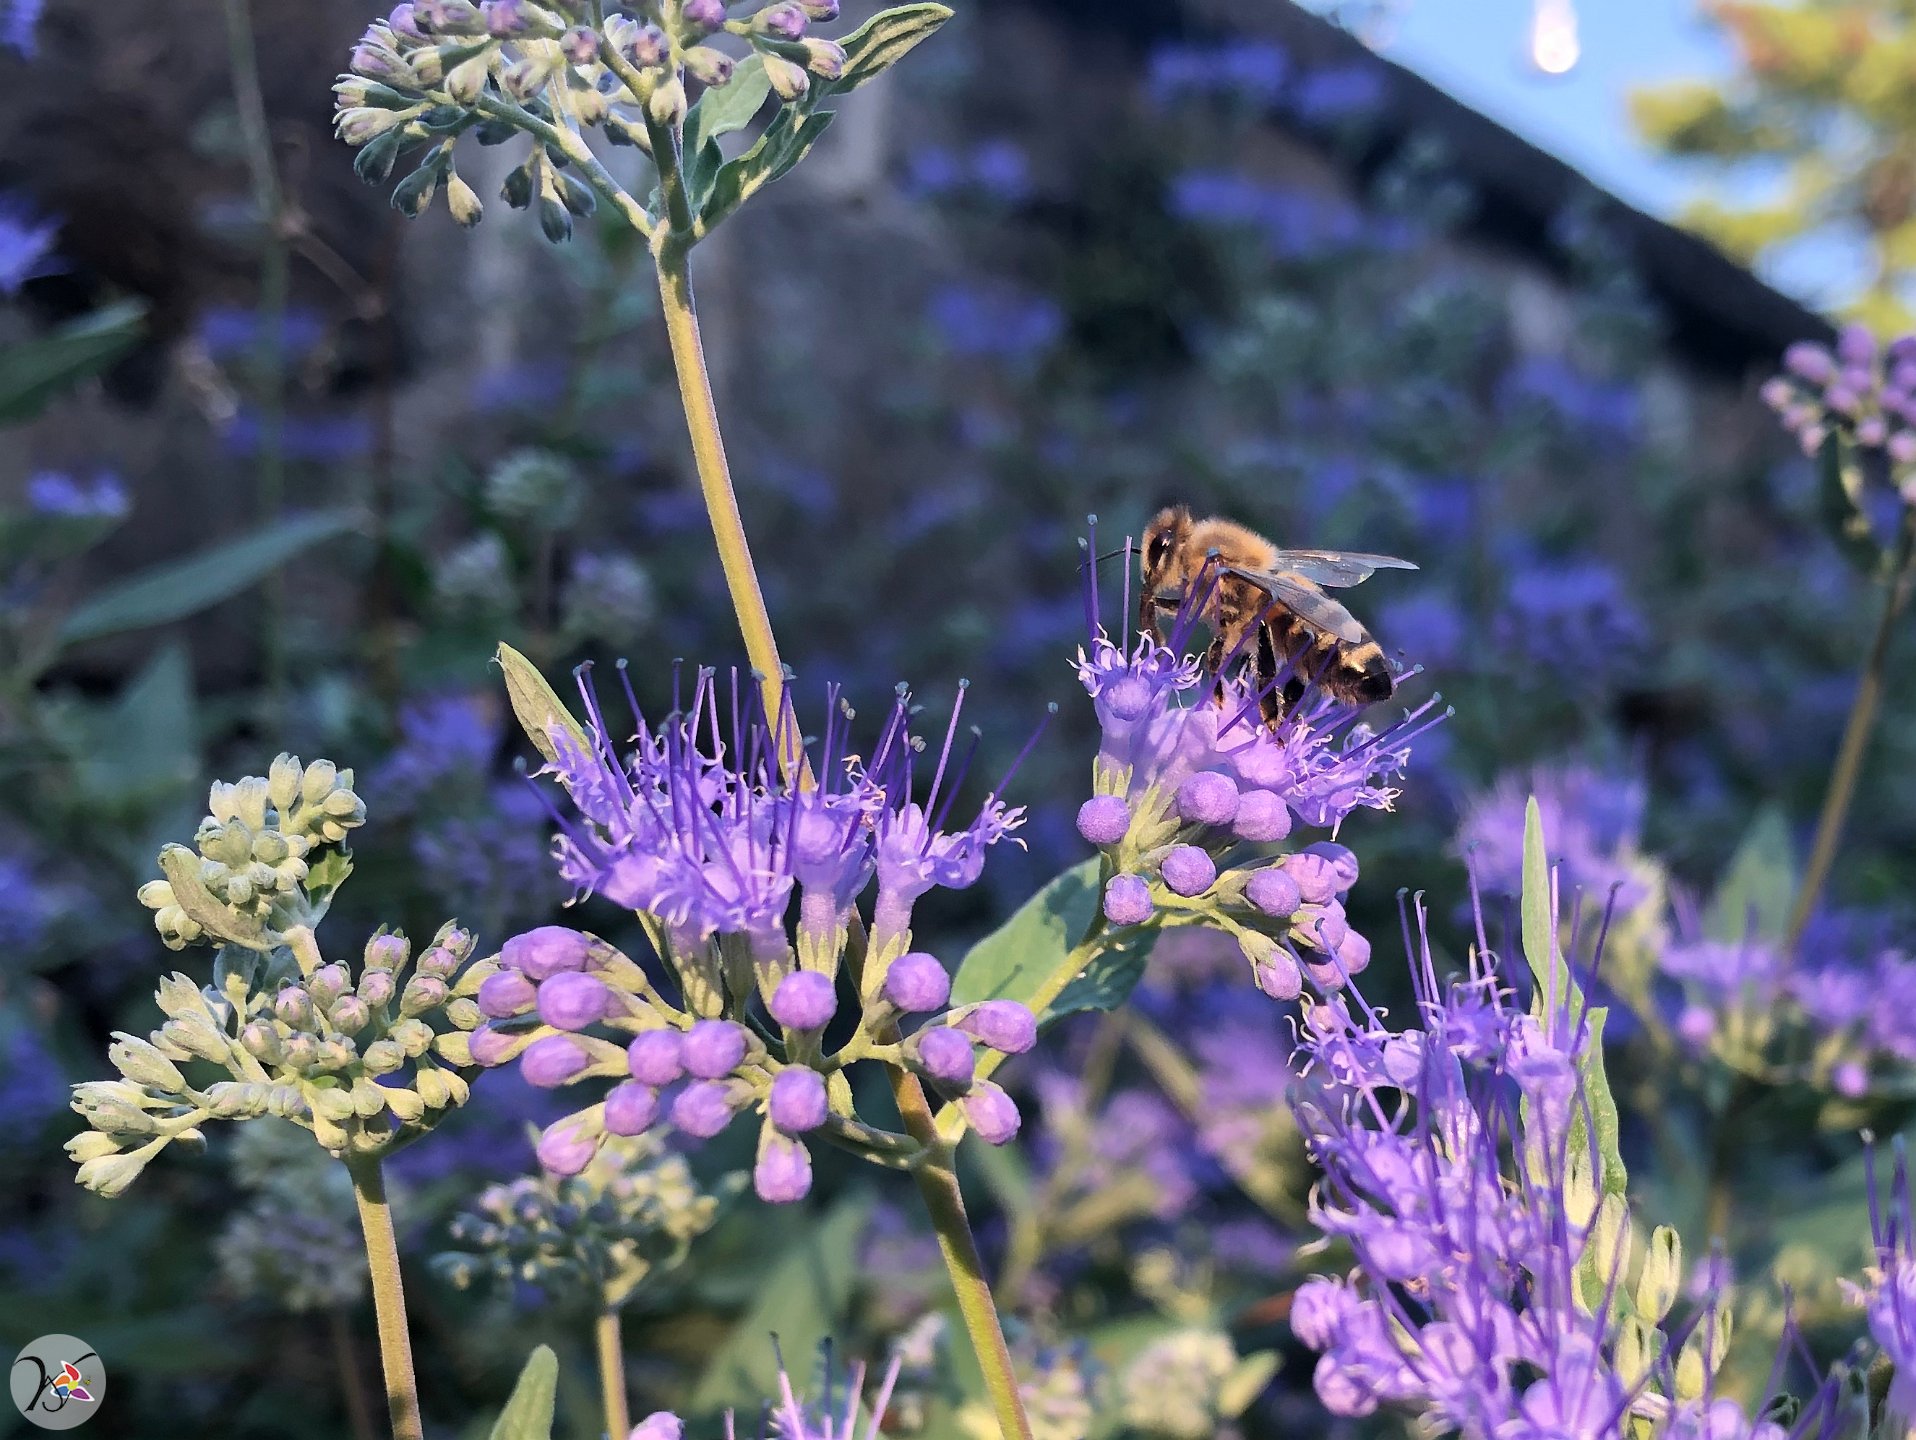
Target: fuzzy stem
389	1295
269	357
618	1417
359	1414
715	476
1856	737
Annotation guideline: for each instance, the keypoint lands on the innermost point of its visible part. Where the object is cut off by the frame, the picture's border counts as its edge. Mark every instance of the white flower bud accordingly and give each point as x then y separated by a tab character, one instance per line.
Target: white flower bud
109	1175
91	1145
143	1065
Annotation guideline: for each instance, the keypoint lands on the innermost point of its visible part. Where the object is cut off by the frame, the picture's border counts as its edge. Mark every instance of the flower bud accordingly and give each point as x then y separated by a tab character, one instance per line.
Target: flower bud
328	983
382	1057
1262	817
407	1105
1002	1025
463	202
299	1052
1274	892
917	983
580	45
798	1101
334	1053
824	58
91	1145
945	1055
551	1061
711	68
294	1007
237	1101
703	1108
1316	877
262	1042
783	1174
546	951
387	952
504	18
415	1037
1104	819
506	994
631	1108
667	104
789	81
1278	975
376	988
349	1015
1188	870
804	1000
707	15
648	48
422	993
566	1147
991	1113
1127	900
573	1001
109	1175
783	21
433	1090
655	1057
713	1049
143	1065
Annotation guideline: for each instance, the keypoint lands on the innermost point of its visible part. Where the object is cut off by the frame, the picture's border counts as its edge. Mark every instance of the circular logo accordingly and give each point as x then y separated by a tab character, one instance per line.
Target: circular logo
57	1382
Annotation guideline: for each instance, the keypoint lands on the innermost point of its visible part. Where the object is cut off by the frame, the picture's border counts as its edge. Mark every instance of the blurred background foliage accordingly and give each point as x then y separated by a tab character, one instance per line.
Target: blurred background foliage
281	472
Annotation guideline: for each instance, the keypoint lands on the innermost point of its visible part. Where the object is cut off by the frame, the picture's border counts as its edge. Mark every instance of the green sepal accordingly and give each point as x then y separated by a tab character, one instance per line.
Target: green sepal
537	706
528	1414
1544	955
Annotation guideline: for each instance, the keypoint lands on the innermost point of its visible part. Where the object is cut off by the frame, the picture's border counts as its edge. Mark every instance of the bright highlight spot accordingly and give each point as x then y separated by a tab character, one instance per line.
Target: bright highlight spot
1554	46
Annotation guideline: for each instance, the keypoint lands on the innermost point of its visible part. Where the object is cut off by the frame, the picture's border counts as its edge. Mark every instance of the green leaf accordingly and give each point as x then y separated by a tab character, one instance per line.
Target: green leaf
185	587
324	876
145	744
785	142
720	111
1015	960
1841	490
34	371
538	707
882	41
802	1302
528	1414
1544	955
1754	899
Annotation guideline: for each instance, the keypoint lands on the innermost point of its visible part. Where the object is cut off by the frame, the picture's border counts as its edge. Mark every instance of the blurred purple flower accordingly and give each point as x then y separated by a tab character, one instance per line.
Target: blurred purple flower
1573	614
1592	822
1293	222
26	241
18	21
53	492
1336	94
1599	410
1247	71
233	332
303	439
995	322
440	738
997	169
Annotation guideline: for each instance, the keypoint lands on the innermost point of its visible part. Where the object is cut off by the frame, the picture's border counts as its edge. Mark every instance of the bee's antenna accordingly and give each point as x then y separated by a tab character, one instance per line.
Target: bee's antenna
1113	554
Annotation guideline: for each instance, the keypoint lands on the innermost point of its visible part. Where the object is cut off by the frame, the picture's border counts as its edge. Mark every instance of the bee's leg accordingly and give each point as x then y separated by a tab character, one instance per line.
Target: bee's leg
1264	670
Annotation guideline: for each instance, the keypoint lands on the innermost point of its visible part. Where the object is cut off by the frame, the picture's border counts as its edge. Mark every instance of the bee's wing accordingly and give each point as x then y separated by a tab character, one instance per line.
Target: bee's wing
1300	595
1336	567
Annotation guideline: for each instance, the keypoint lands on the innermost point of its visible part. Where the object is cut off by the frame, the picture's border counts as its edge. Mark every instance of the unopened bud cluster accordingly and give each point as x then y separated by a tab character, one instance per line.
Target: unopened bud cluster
249	873
357	1060
1860	391
557	992
1169	858
435	69
635	1210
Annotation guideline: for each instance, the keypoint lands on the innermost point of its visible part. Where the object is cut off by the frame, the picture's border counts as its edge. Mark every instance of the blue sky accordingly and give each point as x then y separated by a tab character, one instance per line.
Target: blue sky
1477	49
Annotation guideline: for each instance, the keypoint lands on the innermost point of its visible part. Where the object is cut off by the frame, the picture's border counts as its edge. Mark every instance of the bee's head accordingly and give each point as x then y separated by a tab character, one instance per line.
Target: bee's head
1163	538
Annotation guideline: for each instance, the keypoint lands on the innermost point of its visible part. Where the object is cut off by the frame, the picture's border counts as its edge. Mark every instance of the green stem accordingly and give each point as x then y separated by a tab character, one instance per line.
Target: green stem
618	1419
1856	737
715	475
389	1295
270	354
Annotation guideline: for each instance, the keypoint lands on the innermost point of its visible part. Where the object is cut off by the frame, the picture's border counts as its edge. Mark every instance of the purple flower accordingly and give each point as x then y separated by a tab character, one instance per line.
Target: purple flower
545	952
631	1108
1251	72
26	241
1104	819
52	492
552	1060
945	1055
991	1113
1002	1025
1188	870
1127	900
572	1000
713	1049
1593	822
995	323
703	1108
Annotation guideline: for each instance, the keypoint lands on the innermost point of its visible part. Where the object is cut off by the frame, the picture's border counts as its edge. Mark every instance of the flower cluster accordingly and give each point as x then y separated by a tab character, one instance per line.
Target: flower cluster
1861	391
632	1213
435	69
253	875
1889	1297
355	1060
1492	1237
712	829
1192	786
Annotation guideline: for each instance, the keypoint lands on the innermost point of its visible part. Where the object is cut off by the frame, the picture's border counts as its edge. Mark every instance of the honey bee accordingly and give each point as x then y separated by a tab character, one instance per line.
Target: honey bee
1268	606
